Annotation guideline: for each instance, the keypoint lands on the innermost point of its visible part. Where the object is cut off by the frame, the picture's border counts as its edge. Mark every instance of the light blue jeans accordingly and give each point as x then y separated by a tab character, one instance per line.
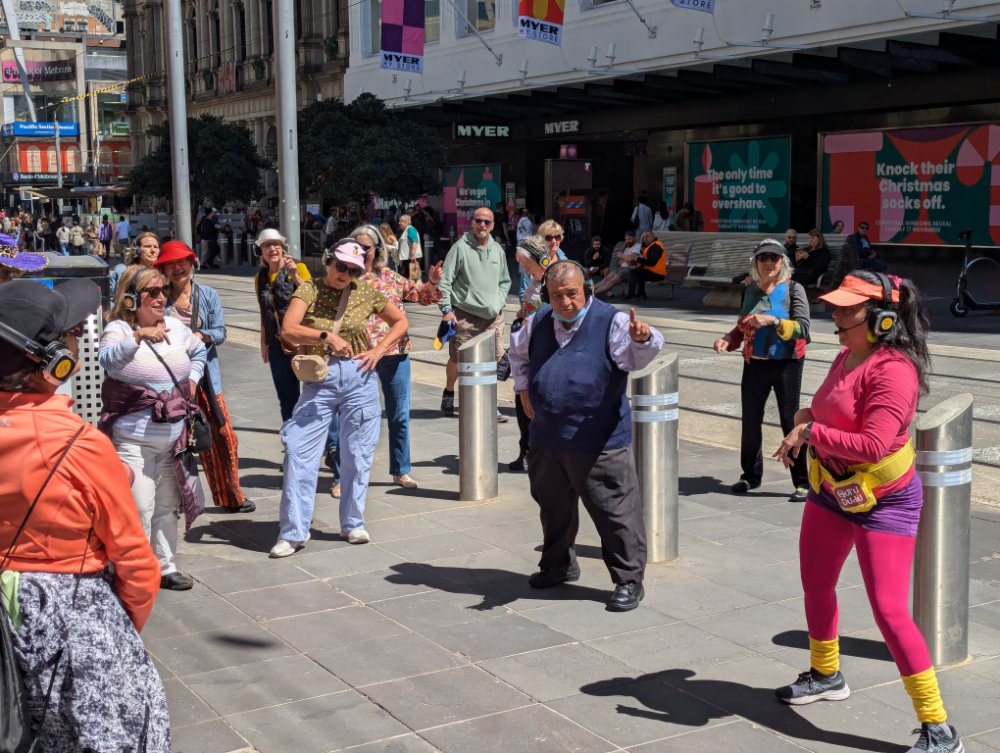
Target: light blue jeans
351	396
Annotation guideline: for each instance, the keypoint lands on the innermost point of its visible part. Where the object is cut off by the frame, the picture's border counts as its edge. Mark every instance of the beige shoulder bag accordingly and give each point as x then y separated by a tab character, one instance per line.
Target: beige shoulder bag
315	368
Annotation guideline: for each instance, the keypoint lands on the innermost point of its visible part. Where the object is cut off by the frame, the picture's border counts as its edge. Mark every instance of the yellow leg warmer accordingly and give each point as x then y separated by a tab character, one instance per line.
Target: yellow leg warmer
824	655
926	696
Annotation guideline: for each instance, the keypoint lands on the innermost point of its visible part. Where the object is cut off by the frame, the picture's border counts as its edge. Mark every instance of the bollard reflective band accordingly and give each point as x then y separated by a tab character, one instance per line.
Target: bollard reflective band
654	416
472	381
944	457
490	366
947	478
653	400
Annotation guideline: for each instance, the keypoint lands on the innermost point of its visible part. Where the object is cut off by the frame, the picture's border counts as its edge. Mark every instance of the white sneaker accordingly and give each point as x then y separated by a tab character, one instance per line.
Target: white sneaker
287	548
358	536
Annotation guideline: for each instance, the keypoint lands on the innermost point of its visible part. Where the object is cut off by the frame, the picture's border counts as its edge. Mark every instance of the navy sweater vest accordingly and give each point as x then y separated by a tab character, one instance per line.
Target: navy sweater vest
577	392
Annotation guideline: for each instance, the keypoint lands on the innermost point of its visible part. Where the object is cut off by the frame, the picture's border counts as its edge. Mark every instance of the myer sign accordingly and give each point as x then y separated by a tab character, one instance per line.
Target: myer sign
481	131
564	126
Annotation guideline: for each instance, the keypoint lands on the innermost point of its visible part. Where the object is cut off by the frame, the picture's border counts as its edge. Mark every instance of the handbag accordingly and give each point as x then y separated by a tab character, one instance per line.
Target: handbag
199	433
15	728
503	367
287	347
315	368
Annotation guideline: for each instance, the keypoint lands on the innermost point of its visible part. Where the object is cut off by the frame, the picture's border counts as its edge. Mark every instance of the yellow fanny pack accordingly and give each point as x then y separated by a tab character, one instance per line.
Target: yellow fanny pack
856	493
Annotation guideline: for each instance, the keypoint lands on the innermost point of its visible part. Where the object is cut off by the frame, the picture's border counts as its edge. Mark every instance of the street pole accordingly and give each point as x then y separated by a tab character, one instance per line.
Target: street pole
59	181
477	419
288	136
178	122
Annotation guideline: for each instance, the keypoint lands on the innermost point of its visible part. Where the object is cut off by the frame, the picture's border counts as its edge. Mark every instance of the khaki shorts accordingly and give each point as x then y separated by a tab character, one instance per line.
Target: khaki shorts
468	326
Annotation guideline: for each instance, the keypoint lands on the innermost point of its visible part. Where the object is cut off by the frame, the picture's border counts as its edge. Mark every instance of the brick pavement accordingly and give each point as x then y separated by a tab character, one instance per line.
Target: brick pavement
429	638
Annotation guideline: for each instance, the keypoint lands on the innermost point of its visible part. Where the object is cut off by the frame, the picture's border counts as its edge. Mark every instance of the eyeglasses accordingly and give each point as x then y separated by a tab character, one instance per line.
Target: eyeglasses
481	221
862	227
769	257
155	292
553	237
176	264
349	269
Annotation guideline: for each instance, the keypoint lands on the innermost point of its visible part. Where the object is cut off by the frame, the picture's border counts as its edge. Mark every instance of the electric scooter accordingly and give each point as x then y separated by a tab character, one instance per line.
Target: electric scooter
965	302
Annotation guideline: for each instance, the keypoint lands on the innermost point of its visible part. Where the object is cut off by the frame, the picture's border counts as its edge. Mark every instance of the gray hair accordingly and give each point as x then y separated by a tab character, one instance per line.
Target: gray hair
375	235
563	271
784	271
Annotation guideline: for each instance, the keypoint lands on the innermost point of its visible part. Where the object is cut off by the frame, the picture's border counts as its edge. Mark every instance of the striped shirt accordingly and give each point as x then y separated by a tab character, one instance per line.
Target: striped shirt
134	363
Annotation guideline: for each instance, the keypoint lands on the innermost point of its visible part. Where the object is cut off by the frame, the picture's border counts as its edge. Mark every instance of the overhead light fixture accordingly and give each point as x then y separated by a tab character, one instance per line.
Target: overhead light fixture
767	30
699	42
946	14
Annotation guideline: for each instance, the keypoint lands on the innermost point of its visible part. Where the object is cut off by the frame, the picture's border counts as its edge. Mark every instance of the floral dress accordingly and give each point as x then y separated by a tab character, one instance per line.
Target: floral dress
397	289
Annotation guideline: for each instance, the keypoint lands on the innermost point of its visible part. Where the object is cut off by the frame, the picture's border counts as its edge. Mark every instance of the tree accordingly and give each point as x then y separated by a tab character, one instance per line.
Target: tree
356	150
223	165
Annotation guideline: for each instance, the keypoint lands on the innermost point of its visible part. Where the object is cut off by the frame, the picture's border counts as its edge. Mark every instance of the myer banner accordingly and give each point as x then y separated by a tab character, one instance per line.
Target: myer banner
706	6
402	36
741	186
921	185
541	20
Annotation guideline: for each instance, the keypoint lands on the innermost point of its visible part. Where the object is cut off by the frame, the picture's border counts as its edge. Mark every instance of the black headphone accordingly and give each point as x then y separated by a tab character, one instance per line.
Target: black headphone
588	286
131	298
882	321
57	360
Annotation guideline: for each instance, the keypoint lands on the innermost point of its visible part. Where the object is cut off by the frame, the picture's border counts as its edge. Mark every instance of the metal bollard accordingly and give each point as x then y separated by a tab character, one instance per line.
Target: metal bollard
655	444
941	566
477	419
224	250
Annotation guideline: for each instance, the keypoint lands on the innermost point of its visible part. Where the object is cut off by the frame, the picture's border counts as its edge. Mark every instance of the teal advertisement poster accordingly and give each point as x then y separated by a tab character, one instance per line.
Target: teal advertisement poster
465	190
741	186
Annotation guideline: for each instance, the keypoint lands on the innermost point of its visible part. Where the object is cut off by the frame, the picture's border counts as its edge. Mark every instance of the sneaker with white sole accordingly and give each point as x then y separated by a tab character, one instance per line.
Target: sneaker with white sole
287	548
813	686
937	738
358	536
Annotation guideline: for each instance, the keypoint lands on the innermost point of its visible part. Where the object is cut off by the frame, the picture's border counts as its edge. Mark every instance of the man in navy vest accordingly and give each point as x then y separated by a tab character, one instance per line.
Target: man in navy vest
570	362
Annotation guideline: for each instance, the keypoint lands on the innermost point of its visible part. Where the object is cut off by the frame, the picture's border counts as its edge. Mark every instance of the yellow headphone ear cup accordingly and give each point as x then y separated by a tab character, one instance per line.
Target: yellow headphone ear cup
63	368
872	337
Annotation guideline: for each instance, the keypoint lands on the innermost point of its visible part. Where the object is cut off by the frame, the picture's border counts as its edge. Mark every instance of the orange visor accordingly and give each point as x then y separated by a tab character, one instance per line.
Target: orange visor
853	290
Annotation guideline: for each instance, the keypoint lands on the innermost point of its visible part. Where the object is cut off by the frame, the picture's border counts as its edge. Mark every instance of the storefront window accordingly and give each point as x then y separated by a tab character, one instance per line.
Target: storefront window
124	159
50	155
34	155
72	160
483	14
104	160
432	21
375	23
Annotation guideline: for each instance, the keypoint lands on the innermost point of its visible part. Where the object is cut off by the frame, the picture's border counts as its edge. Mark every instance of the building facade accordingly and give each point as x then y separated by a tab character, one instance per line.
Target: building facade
229	64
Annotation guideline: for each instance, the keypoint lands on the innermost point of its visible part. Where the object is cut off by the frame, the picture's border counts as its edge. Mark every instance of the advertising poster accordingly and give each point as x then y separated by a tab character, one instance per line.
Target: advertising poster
920	185
465	190
402	41
541	20
741	186
670	190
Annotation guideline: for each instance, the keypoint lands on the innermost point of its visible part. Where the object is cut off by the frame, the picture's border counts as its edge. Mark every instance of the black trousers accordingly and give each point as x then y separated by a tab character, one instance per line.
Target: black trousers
784	376
608	486
523	422
638	278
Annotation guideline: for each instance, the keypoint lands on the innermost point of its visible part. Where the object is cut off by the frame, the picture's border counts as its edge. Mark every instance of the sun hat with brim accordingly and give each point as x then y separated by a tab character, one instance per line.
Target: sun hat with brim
768	246
853	290
174	251
11	257
349	252
270	234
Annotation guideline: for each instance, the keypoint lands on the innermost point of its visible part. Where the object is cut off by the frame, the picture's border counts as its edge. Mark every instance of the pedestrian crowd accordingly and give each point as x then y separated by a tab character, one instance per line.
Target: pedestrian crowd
88	542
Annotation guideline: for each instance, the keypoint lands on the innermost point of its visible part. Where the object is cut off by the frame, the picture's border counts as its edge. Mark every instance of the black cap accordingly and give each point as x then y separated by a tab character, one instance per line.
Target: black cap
596	238
40	313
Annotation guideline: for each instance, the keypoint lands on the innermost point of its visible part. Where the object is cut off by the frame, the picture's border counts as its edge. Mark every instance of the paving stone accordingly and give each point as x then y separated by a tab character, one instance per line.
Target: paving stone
397	528
736	736
436	546
443	697
194	616
345	561
669	647
185	707
251	576
287	601
534	729
586	620
986	614
491	639
690	597
403	744
218	649
209	737
987	741
337	627
984	642
472	517
263	684
988	669
385	659
714	558
769	583
427	611
316	725
386	584
727	526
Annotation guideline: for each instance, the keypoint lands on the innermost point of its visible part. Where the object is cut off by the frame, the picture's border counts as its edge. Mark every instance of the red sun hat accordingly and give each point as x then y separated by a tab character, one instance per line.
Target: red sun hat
174	251
853	290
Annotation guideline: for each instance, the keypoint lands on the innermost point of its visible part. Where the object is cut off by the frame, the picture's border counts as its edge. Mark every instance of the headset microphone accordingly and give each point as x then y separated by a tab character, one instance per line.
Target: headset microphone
848	329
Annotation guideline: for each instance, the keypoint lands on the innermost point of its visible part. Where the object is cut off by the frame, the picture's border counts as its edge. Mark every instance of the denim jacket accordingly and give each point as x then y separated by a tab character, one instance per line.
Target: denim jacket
213	325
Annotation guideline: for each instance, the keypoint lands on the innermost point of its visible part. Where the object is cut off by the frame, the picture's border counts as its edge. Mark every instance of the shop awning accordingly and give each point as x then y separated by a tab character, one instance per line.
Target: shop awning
81	192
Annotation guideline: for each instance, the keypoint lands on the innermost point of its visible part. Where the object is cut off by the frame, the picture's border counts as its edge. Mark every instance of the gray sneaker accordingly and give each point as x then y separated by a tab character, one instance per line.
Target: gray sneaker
812	686
937	738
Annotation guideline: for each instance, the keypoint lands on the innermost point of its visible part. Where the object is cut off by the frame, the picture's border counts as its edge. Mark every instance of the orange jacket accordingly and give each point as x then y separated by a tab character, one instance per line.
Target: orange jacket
657	265
89	489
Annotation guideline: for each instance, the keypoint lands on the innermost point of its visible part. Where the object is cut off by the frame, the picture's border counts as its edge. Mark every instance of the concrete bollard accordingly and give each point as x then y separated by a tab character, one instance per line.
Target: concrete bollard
477	419
941	565
655	444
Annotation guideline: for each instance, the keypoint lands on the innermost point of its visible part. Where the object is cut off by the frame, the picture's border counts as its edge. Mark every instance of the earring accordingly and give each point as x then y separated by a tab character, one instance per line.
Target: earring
872	337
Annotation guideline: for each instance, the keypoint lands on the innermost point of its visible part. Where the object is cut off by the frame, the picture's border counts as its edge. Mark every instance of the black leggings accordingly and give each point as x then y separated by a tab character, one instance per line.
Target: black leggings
784	376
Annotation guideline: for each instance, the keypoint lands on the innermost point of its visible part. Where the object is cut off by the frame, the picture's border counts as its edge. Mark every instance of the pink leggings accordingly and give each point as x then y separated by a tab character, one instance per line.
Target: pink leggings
824	544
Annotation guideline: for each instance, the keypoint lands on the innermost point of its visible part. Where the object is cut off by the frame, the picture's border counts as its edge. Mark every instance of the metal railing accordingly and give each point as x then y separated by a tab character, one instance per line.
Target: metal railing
477	419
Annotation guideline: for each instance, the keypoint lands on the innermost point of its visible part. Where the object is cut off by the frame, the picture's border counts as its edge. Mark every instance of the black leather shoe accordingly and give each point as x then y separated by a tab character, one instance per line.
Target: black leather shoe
520	465
247	506
742	487
549	578
176	582
626	597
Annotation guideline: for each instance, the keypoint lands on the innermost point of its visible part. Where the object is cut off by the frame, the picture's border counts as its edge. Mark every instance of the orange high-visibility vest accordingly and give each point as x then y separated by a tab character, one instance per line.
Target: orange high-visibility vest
660	267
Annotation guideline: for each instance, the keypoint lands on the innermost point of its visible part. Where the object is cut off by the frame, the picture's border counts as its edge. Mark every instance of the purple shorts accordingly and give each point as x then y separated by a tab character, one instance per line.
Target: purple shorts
897	513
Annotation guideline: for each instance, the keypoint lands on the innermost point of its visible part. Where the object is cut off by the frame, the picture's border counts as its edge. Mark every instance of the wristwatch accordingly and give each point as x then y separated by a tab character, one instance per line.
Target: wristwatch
323	335
446	310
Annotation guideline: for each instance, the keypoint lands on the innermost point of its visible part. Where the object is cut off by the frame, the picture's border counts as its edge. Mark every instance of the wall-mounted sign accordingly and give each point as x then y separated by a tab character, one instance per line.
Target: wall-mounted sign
402	36
541	20
32	177
920	185
461	131
38	71
466	189
26	128
670	190
563	126
741	186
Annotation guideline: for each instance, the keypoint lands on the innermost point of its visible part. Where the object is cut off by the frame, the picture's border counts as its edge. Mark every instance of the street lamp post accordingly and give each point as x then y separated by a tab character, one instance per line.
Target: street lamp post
179	156
288	137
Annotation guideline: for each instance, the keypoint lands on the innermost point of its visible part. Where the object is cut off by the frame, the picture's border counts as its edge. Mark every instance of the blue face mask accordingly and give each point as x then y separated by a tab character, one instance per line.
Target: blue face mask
579	313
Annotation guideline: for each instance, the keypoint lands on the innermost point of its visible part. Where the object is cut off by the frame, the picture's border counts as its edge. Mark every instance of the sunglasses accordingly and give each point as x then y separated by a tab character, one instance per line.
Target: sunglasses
553	237
365	248
769	257
155	292
348	268
481	221
76	331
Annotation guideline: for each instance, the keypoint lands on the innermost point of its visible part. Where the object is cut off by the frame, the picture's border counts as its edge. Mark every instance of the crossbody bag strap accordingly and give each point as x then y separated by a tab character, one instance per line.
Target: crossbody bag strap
341	310
195	305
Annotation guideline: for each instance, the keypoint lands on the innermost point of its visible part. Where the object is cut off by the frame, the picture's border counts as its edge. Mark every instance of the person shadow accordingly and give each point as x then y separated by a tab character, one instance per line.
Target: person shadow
672	696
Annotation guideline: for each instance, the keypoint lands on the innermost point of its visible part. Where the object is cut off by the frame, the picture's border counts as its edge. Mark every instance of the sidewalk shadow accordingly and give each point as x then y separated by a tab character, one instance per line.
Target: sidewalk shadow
692	486
446	463
496	587
722	699
863	648
248	462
